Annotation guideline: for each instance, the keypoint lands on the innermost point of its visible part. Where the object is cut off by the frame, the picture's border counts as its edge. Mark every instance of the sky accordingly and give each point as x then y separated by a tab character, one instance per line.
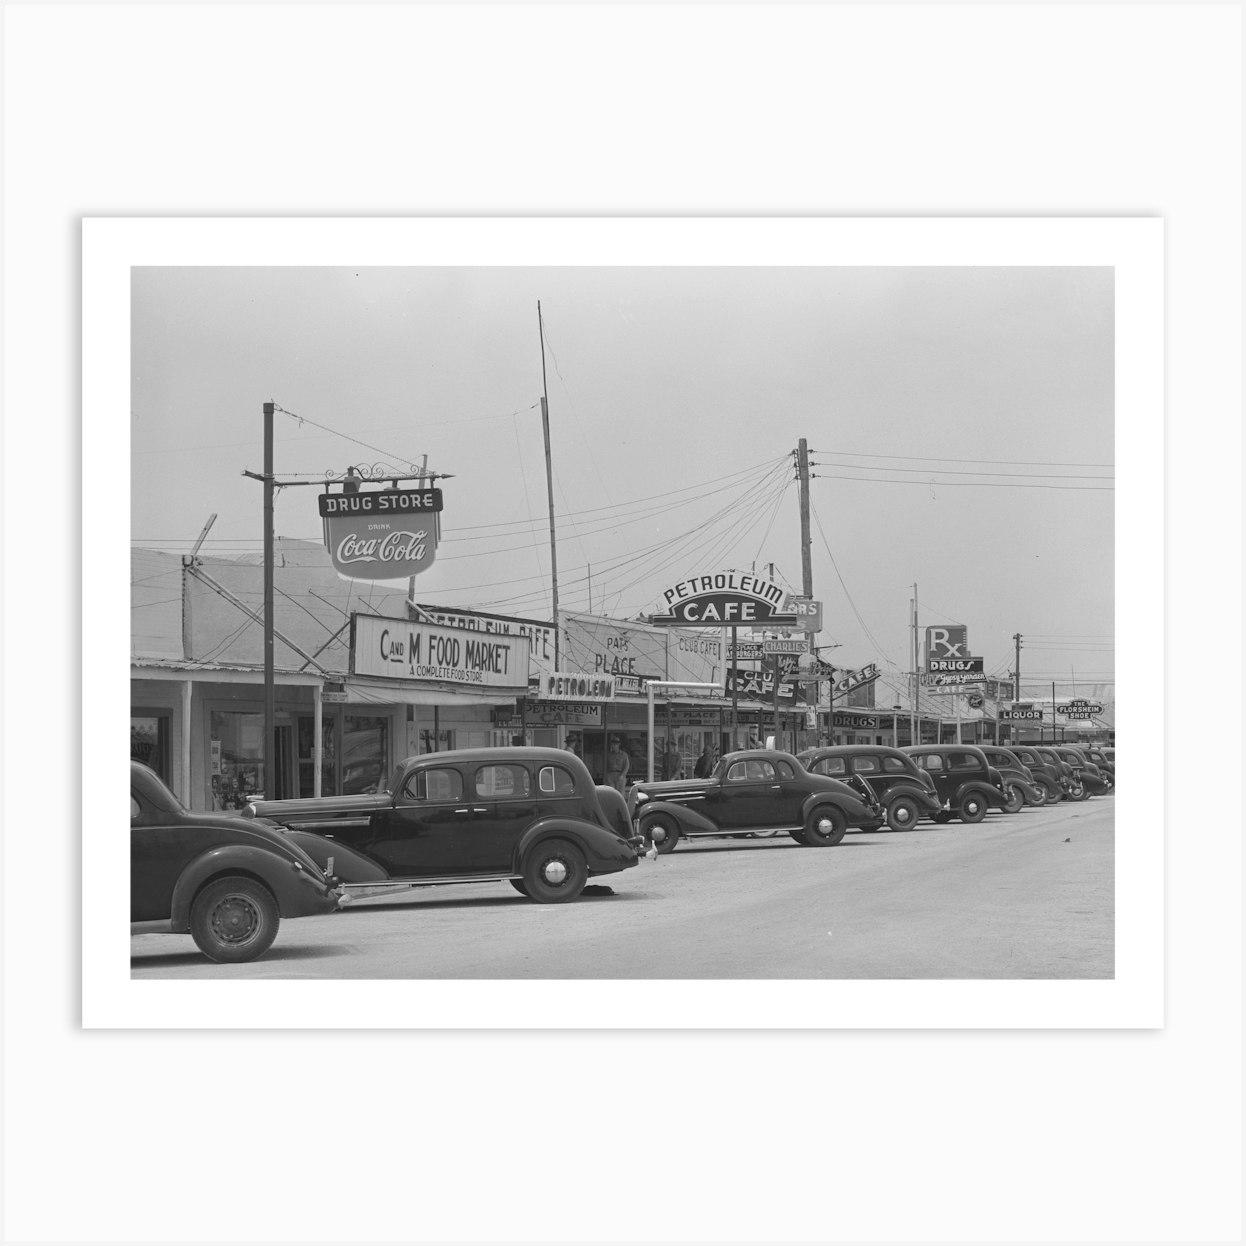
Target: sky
959	423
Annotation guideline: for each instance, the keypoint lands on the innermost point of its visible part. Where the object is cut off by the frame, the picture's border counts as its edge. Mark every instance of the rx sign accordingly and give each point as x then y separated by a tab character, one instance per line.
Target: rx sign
946	642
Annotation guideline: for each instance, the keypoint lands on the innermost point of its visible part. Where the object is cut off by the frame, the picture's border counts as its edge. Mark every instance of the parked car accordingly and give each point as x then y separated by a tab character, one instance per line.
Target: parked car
1046	773
1071	786
1101	759
226	880
904	790
1020	786
752	791
966	783
532	817
1092	778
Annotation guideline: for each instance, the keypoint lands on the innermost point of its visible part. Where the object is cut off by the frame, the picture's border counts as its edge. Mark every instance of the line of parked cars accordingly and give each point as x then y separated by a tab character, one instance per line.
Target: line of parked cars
534	818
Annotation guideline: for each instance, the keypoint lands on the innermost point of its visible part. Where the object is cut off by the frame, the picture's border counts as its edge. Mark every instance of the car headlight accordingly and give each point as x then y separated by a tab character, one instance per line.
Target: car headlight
641	797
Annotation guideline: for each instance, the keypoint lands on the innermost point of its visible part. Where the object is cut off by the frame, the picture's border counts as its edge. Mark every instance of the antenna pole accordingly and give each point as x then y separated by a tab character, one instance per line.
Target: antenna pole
549	484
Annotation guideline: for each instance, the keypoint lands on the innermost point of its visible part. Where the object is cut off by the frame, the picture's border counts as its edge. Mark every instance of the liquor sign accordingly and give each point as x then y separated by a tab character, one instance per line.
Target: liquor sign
1017	714
402	649
725	599
386	534
946	642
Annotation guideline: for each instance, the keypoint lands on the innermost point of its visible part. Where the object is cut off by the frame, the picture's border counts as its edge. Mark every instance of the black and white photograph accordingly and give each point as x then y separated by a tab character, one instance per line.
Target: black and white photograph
760	618
624	540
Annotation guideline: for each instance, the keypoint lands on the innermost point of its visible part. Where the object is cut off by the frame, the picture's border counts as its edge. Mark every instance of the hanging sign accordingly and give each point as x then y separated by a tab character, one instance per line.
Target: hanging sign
386	534
945	643
403	649
726	598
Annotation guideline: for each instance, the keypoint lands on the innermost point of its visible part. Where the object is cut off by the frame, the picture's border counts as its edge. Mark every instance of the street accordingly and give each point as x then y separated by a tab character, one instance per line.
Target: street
1028	895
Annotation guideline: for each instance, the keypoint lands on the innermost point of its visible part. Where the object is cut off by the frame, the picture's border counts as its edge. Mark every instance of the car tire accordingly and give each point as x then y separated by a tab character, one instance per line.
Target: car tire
234	920
825	826
1015	801
972	808
1038	798
519	886
903	813
799	837
662	831
554	872
1077	790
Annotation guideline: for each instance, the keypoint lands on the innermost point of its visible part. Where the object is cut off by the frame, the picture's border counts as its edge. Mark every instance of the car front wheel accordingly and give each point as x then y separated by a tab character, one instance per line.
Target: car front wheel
902	813
1015	799
972	808
234	919
662	831
554	872
825	827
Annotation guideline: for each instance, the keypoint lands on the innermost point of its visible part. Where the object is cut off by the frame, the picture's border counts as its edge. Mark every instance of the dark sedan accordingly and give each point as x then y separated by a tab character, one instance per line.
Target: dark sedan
904	790
750	791
528	816
225	880
967	784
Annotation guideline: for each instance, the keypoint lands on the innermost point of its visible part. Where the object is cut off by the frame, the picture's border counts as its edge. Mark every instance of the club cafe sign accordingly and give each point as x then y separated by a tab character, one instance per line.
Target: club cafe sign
725	599
386	534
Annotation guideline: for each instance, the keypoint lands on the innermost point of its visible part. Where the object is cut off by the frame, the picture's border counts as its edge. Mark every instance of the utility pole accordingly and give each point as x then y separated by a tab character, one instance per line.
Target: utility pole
1016	670
806	561
549	483
270	690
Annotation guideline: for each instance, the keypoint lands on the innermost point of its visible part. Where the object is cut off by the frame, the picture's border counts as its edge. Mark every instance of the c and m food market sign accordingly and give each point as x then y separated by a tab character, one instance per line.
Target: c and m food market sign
401	649
725	599
385	534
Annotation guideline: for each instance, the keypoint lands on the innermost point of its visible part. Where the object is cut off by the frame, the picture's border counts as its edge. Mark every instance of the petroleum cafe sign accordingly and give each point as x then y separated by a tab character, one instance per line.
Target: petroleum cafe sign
725	599
384	534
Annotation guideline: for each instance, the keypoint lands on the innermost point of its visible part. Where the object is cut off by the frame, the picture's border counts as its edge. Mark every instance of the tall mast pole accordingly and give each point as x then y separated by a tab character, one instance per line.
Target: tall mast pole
917	711
806	559
549	484
270	686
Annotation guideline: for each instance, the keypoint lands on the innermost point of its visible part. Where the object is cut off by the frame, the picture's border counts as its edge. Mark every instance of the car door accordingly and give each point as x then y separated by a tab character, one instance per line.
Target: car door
505	804
428	831
749	796
935	766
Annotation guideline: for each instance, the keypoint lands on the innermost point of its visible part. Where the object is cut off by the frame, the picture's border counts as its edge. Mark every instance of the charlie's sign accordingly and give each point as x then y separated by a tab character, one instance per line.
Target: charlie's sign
390	534
725	599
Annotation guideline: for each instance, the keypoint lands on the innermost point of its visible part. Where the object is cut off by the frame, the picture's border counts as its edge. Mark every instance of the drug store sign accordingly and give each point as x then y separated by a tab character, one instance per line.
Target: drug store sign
386	534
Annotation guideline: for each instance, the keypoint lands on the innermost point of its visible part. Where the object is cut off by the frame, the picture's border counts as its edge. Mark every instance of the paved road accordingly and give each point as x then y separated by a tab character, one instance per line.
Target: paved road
1023	896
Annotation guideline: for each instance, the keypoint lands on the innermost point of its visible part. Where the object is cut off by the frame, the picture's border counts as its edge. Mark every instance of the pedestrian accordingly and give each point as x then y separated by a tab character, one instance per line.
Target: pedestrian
573	746
617	765
672	762
705	763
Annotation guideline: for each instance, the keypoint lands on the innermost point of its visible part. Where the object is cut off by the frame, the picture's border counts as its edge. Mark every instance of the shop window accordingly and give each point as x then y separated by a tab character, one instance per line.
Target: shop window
149	742
237	745
365	753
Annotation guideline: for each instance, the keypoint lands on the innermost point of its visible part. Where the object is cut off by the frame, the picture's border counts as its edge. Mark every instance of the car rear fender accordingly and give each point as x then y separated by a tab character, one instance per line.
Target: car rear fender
992	795
292	886
347	864
604	849
687	819
854	809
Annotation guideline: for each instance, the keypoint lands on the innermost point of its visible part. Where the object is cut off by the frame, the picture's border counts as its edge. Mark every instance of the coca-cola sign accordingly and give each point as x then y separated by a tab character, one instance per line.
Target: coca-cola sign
376	547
